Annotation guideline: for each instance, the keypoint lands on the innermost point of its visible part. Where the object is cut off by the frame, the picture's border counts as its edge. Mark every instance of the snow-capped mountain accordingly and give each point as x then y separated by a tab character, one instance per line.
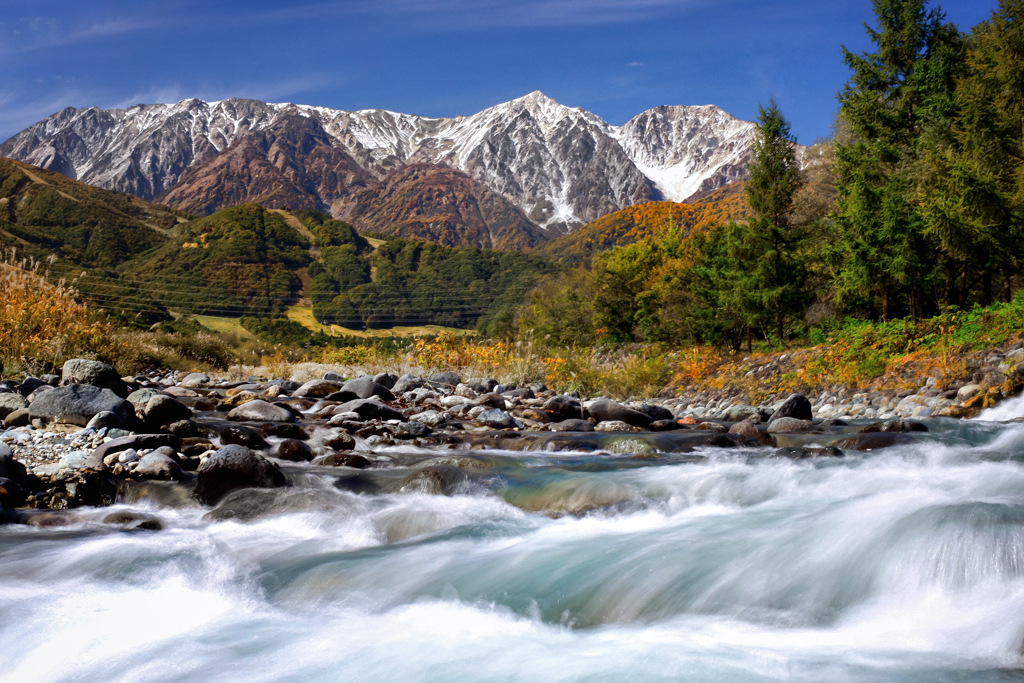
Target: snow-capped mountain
560	166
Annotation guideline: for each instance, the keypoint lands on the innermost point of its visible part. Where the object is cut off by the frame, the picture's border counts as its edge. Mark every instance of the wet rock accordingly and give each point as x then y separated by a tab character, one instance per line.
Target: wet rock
896	426
666	425
93	373
260	411
285	430
353	460
797	453
492	401
522	393
246	505
133	521
749	430
874	441
605	410
572	425
294	450
435	480
411	430
78	403
339	440
138	442
231	468
796	406
187	428
630	446
157	465
241	435
371	409
341	396
790	425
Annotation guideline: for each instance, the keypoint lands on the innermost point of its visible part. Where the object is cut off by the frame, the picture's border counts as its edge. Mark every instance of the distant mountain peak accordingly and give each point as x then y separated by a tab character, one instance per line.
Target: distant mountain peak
560	166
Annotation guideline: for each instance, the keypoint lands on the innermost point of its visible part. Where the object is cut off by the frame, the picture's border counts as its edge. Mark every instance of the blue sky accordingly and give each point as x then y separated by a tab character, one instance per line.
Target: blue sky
437	57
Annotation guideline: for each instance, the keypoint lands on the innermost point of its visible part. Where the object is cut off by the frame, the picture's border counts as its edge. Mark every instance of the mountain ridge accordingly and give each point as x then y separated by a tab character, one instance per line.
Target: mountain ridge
561	166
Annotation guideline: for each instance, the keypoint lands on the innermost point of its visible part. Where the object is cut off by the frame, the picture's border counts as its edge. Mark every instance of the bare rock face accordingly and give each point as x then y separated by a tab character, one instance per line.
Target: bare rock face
518	172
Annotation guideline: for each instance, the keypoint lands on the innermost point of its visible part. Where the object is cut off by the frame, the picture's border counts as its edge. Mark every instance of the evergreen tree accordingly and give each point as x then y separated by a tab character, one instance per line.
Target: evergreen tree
885	251
770	285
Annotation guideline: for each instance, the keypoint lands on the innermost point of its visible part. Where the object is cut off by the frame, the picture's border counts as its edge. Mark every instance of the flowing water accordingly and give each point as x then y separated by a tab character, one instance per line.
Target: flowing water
905	564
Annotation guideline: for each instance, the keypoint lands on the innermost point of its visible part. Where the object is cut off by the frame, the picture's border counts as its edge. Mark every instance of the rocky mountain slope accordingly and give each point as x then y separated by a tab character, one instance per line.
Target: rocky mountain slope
561	167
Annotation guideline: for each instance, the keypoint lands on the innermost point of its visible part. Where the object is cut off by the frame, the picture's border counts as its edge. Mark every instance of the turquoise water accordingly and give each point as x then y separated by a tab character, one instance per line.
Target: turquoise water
710	565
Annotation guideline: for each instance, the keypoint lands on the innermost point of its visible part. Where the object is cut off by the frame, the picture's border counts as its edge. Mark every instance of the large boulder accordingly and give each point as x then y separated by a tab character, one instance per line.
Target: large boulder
260	411
231	468
365	387
162	410
78	403
94	373
796	406
605	410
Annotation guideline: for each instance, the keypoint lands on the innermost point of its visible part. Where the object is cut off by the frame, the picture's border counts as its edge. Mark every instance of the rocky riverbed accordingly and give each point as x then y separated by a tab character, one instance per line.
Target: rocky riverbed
88	437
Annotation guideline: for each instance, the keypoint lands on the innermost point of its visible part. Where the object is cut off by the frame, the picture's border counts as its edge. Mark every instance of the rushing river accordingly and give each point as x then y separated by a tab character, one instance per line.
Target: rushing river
905	564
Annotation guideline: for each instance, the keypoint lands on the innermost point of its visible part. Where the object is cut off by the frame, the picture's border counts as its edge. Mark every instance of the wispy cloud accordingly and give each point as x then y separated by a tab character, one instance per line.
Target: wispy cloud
491	13
39	33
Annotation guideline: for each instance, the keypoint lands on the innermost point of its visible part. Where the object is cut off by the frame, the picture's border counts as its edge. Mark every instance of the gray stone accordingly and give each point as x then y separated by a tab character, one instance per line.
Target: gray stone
157	465
429	417
371	409
796	406
78	403
137	442
605	410
449	380
571	425
498	419
741	412
564	407
364	387
94	373
11	402
749	430
386	380
260	411
790	425
231	468
317	388
162	410
406	383
194	380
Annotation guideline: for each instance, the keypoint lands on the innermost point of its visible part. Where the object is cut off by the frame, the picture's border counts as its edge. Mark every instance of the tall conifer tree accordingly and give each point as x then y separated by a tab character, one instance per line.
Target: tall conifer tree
772	275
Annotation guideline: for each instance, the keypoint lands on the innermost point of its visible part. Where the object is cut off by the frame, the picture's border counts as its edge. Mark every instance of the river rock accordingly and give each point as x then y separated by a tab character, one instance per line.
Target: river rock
605	410
497	419
248	504
317	388
563	407
294	451
157	465
748	429
18	418
195	380
138	442
78	403
896	426
161	410
405	384
231	468
11	402
796	406
491	400
615	426
448	380
94	373
655	412
241	435
431	418
371	409
435	480
365	387
874	440
353	460
571	426
790	425
260	411
386	380
741	412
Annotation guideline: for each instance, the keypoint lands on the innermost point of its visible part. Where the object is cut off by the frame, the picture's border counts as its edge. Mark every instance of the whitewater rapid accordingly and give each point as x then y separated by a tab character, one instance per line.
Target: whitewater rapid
905	564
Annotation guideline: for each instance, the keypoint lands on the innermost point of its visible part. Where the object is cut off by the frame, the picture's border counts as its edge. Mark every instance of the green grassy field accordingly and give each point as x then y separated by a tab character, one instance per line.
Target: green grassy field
304	316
